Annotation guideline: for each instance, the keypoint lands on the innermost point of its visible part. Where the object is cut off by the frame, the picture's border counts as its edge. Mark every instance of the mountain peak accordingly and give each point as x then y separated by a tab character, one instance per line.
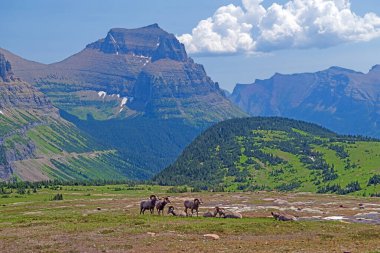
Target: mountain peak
340	69
155	25
6	73
149	41
375	68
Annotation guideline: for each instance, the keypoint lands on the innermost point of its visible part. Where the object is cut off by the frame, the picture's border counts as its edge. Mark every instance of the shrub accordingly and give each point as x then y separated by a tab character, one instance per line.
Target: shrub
58	196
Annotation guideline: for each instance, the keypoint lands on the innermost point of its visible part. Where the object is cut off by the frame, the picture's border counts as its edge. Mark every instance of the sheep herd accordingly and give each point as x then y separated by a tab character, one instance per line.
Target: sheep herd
189	205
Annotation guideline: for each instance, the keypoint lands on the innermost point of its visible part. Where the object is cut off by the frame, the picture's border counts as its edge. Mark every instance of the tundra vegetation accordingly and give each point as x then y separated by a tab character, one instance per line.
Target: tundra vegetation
102	217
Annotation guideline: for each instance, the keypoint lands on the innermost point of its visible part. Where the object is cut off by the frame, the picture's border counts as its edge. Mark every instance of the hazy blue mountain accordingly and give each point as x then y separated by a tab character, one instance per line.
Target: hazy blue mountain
340	99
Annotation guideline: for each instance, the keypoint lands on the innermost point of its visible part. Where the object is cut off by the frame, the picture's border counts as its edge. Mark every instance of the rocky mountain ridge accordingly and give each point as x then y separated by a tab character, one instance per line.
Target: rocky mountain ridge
343	100
141	84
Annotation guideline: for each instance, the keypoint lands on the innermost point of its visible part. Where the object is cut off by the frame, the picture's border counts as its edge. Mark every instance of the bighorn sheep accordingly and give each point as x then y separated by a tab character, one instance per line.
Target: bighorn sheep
148	204
192	205
176	213
161	205
283	217
229	215
212	214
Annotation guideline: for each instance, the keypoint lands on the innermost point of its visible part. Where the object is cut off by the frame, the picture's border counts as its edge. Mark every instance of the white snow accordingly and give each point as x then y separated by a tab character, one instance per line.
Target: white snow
142	56
334	218
112	38
121	110
114	41
123	102
102	93
146	62
1	112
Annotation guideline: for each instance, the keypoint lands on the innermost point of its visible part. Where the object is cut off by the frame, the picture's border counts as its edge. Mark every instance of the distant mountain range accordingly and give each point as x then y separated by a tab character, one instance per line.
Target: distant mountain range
272	153
136	91
343	100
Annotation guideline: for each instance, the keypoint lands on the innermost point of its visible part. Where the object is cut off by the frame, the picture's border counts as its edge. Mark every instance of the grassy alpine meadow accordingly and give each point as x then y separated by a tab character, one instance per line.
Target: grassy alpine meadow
106	219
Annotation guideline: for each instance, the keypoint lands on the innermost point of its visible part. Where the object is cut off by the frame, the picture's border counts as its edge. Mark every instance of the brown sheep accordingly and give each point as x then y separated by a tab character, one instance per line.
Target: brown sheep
283	217
192	205
161	205
172	211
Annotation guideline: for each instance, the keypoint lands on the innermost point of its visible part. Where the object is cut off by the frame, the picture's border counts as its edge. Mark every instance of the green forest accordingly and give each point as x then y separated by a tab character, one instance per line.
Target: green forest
277	154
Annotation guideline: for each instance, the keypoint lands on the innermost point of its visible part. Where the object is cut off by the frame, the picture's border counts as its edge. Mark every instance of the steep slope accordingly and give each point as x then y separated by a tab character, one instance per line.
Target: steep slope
130	72
140	80
277	153
340	99
37	144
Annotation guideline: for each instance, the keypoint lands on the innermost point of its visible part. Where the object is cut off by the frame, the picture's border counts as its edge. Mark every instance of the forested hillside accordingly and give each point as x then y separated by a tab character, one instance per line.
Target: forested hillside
277	154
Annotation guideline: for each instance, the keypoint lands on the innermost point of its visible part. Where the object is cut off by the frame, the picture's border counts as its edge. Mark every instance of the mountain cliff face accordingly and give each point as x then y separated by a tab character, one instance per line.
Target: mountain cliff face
129	73
37	144
6	73
141	84
340	99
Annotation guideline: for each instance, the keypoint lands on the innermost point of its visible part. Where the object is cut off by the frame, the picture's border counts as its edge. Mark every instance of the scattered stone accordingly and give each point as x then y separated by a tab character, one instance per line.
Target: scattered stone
213	236
151	234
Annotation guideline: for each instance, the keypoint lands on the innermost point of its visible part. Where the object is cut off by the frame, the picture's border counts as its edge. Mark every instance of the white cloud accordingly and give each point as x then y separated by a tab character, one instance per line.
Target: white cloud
251	28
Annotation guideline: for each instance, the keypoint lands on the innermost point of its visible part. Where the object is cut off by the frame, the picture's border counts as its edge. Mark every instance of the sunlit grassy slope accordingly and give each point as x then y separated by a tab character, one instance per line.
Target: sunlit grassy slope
276	153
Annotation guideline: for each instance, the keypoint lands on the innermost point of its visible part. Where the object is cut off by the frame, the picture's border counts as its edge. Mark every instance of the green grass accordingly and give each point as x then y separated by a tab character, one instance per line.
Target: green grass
279	154
105	218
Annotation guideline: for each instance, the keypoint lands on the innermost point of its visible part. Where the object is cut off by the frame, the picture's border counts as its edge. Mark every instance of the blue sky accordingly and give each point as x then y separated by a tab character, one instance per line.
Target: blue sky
49	31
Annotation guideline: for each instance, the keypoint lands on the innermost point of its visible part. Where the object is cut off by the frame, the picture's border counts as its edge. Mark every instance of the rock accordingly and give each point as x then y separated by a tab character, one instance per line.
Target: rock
212	236
150	42
6	74
98	208
151	234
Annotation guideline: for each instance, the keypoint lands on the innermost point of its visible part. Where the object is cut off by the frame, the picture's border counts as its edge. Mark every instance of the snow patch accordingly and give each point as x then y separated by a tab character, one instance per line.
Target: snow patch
114	41
1	112
142	56
334	218
146	62
102	94
123	102
121	110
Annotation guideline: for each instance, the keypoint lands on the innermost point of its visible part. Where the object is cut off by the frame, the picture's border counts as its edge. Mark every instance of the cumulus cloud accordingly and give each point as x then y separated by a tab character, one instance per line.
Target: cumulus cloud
251	28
